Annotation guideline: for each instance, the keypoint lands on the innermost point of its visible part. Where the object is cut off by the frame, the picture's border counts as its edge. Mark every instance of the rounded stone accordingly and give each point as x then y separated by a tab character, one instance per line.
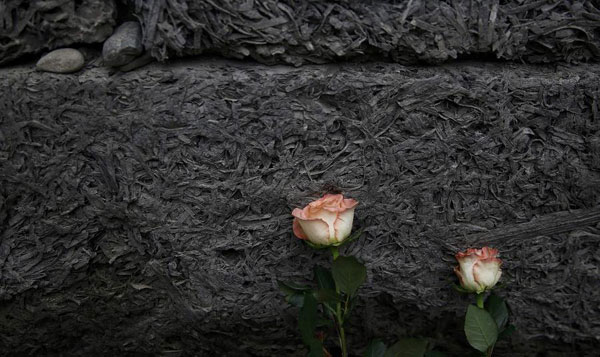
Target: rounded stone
64	60
124	45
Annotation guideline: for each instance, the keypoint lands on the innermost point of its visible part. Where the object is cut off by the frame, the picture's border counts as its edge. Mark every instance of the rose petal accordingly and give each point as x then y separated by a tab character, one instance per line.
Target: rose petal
301	213
335	203
483	253
327	217
466	273
298	229
461	278
317	221
487	252
327	201
349	203
480	269
343	224
317	231
487	272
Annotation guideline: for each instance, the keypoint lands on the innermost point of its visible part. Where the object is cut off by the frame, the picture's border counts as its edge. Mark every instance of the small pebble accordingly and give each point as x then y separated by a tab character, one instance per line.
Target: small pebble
64	60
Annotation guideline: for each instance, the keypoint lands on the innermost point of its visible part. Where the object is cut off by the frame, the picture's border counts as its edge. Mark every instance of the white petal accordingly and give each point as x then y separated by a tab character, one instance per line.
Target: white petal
343	224
316	231
487	273
329	218
466	270
497	277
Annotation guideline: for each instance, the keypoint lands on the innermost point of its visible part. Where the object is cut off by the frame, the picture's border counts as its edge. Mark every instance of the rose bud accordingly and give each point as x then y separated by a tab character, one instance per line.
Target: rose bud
479	269
326	221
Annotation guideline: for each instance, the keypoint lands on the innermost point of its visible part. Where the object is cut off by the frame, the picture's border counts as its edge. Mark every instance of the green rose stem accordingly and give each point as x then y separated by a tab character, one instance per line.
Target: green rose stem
335	252
481	306
480	300
340	317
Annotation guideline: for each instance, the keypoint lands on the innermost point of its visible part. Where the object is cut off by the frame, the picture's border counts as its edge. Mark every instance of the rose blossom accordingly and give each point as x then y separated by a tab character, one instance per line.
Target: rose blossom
479	269
326	221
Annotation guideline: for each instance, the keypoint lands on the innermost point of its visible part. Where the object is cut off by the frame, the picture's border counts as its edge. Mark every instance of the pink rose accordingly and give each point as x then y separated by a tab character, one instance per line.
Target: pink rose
479	269
326	221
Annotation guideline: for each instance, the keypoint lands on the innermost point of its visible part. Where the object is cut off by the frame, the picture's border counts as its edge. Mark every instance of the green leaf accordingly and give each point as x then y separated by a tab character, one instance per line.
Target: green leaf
294	293
324	278
507	331
327	296
353	303
307	322
295	299
348	274
292	286
496	306
376	348
480	328
325	282
315	348
407	347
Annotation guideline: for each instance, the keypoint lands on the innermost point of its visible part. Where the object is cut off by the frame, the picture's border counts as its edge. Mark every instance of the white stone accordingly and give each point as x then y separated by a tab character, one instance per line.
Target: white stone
64	60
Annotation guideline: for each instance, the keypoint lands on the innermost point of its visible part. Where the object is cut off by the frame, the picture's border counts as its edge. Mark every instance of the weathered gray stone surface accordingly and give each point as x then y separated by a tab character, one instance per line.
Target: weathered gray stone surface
137	63
149	212
64	60
124	45
31	27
